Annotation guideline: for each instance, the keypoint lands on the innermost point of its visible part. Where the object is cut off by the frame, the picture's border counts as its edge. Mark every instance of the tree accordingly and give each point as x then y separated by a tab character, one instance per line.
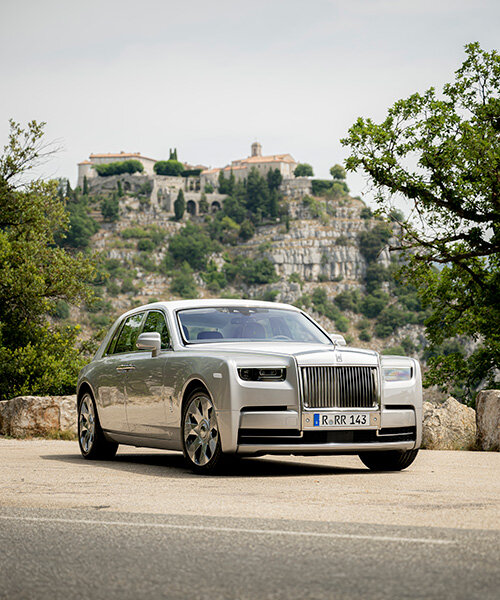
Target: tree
110	209
85	185
35	274
257	193
303	170
171	168
183	283
442	153
179	206
338	172
203	204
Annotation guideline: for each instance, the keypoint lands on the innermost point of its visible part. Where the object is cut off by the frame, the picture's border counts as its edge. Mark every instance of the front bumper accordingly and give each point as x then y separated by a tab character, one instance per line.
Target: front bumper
319	449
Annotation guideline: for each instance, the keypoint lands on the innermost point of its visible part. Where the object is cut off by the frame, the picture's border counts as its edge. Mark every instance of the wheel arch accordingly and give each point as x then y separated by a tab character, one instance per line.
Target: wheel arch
84	388
194	383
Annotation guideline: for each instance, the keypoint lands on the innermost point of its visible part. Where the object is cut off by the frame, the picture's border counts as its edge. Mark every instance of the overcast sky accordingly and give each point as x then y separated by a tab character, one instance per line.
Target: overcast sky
210	77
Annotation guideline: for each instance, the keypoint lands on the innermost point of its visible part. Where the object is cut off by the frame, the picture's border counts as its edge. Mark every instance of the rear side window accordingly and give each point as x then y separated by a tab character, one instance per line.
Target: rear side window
128	335
155	323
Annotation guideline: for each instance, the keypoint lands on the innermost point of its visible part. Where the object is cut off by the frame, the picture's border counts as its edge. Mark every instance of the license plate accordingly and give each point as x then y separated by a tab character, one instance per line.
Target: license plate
344	420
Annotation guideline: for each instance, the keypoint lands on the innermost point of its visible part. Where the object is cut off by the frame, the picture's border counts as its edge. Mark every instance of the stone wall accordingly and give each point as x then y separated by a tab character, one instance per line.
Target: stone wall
27	416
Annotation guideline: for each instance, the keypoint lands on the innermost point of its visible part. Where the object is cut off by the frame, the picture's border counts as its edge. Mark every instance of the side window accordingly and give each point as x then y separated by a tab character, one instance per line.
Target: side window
155	322
128	335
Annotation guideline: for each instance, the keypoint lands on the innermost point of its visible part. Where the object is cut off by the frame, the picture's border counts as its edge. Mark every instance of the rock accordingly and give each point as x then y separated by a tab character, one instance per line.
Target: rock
448	426
488	420
37	415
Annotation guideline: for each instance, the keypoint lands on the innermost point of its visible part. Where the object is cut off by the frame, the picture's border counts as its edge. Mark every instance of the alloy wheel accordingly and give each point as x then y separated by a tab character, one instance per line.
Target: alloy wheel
201	432
86	422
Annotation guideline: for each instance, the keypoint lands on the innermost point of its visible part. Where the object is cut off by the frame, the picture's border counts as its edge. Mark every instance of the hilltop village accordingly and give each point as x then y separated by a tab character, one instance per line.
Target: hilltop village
195	180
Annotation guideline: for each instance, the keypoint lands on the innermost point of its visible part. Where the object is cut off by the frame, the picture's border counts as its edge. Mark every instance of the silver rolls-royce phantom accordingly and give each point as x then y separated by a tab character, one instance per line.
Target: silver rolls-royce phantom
215	378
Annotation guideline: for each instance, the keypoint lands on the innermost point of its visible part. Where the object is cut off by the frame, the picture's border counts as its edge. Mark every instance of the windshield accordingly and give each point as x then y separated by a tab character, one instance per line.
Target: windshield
236	323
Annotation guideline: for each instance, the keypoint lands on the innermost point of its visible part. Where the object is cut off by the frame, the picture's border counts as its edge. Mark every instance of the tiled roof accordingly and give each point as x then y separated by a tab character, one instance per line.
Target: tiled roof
121	155
85	162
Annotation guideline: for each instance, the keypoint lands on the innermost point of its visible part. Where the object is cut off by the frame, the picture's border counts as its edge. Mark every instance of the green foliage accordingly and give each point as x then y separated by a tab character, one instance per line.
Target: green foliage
348	300
366	213
247	230
270	295
85	185
303	170
441	151
144	260
119	167
152	232
250	271
373	304
321	186
203	204
226	186
35	275
224	229
394	350
215	279
183	283
192	245
172	155
119	189
375	275
128	286
364	335
172	168
209	188
295	278
373	241
179	205
338	172
145	245
110	209
60	310
81	226
325	307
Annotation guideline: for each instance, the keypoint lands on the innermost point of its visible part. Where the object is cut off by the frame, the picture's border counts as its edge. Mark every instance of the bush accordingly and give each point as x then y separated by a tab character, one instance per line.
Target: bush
348	300
110	209
321	186
119	167
373	241
364	335
366	213
173	168
183	283
192	245
303	170
259	271
373	304
295	278
394	350
145	245
128	286
60	310
215	279
247	230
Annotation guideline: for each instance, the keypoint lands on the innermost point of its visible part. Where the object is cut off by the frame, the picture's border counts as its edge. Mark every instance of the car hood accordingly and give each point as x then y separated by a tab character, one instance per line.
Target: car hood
304	354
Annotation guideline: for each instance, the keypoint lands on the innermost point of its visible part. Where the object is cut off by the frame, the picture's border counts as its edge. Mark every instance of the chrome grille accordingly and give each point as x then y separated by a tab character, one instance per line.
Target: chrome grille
339	387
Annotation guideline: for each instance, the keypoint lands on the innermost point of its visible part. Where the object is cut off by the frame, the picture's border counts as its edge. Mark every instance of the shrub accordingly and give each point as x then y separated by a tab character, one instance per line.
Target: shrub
364	335
128	286
192	245
183	283
173	168
179	205
145	245
247	230
209	188
366	213
303	170
373	241
110	209
321	186
295	278
270	295
348	300
259	271
373	304
394	350
215	279
60	310
119	167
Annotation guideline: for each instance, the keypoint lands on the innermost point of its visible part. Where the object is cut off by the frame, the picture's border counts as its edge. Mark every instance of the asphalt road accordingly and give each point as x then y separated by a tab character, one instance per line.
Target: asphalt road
144	526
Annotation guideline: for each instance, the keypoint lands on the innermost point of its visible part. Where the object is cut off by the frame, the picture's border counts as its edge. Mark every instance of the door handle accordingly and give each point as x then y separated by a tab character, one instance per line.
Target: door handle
125	368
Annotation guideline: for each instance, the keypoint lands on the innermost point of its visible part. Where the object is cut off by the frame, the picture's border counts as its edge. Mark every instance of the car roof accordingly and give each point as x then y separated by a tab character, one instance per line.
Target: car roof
214	302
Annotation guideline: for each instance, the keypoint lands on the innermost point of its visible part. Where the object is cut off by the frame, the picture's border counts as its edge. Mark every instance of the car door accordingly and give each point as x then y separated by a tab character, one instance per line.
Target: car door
113	370
144	383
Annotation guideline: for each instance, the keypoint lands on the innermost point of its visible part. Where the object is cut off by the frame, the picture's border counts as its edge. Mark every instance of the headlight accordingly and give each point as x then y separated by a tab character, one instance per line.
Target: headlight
398	373
256	374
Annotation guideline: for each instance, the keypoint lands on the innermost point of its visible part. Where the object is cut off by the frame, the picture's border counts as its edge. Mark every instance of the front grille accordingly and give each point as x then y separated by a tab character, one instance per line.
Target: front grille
339	387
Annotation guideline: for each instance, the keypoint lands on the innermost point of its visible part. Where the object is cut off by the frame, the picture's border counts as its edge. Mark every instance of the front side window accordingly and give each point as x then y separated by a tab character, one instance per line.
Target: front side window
155	323
128	334
234	323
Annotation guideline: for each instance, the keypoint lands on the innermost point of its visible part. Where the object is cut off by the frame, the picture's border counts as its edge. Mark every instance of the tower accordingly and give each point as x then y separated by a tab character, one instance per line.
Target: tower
256	149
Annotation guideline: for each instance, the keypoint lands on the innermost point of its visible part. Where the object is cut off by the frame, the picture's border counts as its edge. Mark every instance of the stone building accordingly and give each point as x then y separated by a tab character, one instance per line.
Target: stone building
240	168
85	168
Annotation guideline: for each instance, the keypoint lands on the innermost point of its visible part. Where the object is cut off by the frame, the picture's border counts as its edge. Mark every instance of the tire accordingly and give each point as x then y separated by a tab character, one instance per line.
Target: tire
93	444
200	433
388	460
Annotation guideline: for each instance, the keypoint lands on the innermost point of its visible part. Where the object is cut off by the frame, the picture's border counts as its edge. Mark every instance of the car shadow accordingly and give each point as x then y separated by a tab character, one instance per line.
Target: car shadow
172	464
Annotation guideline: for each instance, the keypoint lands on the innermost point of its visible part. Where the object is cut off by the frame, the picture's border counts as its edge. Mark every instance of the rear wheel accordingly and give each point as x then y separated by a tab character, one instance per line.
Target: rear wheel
93	444
388	460
200	433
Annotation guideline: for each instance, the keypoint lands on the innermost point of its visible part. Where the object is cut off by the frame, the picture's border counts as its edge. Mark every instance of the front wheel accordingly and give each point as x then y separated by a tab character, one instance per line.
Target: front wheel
200	433
388	460
93	444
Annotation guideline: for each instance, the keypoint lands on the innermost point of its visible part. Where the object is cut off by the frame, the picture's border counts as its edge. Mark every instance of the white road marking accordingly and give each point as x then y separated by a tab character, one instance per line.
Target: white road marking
280	532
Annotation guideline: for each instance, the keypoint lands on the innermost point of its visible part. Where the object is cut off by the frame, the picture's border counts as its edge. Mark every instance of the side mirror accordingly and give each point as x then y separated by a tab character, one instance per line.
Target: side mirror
149	341
338	339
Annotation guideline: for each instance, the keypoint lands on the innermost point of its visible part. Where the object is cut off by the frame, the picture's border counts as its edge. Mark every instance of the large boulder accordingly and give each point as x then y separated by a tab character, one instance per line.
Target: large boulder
448	426
488	420
38	415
